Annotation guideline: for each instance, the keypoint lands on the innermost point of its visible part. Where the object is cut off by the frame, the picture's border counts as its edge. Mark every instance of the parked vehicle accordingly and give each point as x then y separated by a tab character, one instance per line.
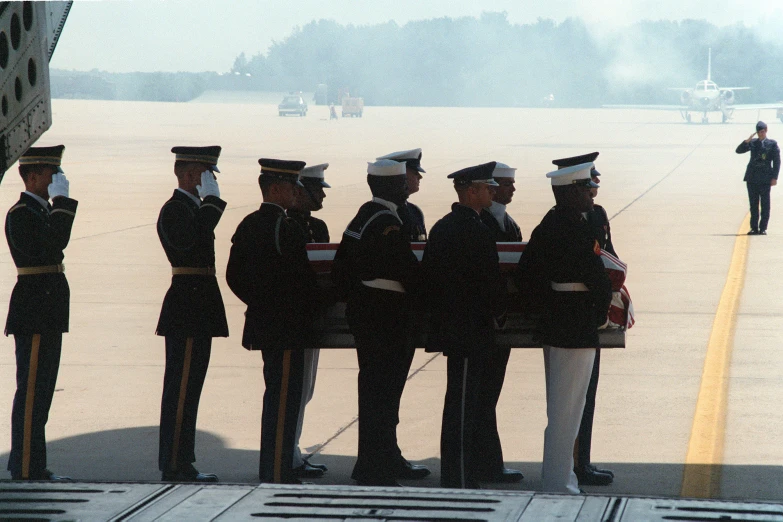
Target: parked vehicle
353	107
292	104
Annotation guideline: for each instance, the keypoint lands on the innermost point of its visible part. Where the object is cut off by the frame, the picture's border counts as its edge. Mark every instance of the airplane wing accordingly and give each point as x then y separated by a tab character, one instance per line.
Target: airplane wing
649	107
756	106
735	88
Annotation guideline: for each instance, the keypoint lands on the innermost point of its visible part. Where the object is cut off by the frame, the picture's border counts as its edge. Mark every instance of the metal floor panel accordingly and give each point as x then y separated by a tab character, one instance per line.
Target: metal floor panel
147	502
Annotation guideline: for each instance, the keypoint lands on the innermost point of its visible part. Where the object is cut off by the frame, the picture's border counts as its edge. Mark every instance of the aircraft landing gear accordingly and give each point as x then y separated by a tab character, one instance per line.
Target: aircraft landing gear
688	117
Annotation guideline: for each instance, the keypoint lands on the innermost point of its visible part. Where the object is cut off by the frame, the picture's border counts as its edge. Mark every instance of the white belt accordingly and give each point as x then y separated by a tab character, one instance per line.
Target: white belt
569	287
385	284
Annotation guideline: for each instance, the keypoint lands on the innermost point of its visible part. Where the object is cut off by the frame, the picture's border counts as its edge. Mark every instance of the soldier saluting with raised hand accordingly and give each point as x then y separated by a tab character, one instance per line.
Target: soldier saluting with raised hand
761	175
192	312
37	233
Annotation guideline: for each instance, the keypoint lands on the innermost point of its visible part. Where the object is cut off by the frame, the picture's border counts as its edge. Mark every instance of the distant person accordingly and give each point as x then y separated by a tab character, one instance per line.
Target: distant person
268	269
466	294
761	175
37	233
562	265
332	112
193	311
598	221
309	198
411	215
378	273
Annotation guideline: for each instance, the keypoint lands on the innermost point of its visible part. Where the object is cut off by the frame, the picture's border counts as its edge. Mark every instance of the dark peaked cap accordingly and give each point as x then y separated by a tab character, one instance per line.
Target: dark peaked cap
208	155
43	156
283	170
476	174
578	160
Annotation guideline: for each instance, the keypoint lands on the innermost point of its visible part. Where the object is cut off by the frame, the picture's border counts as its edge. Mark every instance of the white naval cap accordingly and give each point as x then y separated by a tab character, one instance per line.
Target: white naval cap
315	174
574	175
385	167
412	158
503	171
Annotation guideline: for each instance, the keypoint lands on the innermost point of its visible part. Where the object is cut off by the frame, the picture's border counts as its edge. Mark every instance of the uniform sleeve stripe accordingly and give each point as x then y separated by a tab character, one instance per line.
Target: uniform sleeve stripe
213	206
20	205
63	210
352	234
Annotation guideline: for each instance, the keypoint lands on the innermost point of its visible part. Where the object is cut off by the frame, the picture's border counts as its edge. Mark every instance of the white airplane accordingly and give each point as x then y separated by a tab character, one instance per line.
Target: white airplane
707	97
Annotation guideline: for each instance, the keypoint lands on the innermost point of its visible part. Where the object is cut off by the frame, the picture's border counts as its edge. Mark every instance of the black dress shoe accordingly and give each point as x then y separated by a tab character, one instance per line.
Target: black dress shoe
308	471
762	232
506	475
753	233
600	470
412	471
589	477
322	467
188	474
43	475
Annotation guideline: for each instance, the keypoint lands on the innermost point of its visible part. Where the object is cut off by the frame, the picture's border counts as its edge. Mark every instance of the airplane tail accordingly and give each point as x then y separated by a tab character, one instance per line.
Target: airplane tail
709	64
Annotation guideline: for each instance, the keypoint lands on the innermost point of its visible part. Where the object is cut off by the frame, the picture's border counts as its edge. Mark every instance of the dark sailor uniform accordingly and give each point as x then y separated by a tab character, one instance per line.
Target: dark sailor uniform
191	315
37	233
763	167
377	271
268	269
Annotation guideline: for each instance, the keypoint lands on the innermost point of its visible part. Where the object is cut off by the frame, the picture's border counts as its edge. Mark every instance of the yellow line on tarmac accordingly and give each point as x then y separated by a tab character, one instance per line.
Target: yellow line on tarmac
704	459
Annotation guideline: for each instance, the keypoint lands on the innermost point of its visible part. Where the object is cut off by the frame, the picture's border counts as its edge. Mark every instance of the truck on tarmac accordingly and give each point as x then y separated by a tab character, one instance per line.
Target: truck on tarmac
353	107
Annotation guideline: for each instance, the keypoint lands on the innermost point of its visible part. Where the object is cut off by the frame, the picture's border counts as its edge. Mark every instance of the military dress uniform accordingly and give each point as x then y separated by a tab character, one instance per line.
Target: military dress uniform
562	264
411	215
376	270
191	315
268	269
763	167
37	233
465	295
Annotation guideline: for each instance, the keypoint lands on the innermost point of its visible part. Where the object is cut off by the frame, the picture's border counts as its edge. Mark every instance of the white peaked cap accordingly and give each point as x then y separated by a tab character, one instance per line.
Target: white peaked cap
571	175
386	167
402	155
503	171
316	171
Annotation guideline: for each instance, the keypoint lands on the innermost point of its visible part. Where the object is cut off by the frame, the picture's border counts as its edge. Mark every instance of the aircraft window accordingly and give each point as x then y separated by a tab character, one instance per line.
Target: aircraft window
27	15
5	105
3	50
32	72
18	89
16	31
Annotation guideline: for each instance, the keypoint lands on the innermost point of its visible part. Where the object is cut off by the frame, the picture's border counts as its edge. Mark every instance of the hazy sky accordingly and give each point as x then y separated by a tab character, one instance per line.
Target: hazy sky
206	35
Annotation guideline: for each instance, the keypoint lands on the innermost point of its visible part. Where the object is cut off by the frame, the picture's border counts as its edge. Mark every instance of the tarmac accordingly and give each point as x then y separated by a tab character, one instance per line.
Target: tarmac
677	202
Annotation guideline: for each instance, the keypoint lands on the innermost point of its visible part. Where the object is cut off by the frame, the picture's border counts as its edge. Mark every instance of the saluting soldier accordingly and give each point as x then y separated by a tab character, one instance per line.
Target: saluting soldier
598	220
192	312
269	271
37	233
411	215
309	198
761	175
376	270
466	296
562	265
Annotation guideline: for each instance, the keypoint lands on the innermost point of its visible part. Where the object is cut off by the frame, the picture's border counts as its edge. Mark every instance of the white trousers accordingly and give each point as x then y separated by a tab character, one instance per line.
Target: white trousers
308	387
567	372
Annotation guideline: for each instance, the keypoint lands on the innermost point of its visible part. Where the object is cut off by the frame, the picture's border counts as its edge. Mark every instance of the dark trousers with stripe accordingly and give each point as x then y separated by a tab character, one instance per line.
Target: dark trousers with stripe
486	439
283	379
584	439
758	196
384	359
465	378
187	360
37	364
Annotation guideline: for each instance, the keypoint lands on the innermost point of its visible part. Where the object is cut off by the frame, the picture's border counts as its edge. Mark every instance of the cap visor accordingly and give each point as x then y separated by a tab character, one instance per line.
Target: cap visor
592	184
215	169
325	184
299	184
491	182
421	169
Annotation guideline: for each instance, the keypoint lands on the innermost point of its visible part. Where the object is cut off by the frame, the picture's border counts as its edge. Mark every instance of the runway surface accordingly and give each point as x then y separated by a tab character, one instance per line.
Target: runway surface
677	202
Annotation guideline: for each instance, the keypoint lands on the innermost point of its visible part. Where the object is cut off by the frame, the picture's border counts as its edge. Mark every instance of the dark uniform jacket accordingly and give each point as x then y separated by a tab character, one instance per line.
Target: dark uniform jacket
562	249
375	247
512	234
193	306
314	229
269	271
764	164
37	236
413	222
465	288
599	223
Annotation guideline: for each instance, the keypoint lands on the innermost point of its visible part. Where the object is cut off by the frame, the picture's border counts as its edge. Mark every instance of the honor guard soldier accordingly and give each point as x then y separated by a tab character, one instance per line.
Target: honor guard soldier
562	265
269	271
503	226
37	233
192	312
309	198
466	296
598	220
411	215
380	276
761	175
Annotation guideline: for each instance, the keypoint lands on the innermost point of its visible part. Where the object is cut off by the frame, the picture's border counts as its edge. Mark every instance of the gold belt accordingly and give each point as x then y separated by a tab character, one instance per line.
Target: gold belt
37	270
193	270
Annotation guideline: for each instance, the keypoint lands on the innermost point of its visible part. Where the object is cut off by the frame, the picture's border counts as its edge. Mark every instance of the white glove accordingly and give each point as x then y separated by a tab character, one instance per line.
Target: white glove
209	185
59	186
